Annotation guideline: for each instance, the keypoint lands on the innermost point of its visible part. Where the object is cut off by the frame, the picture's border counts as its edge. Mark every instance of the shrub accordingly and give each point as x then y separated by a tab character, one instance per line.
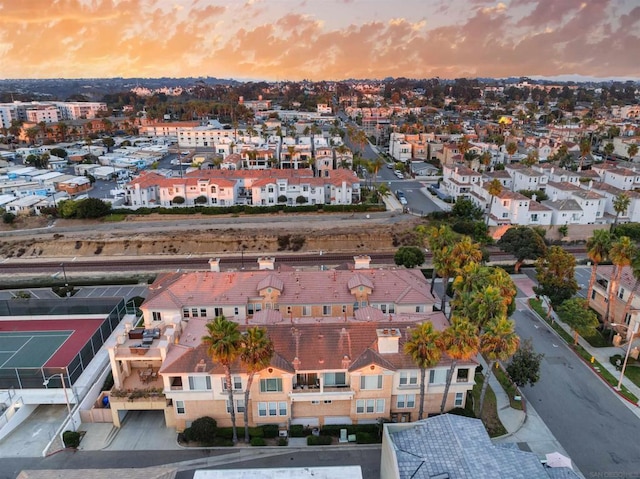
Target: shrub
8	217
225	432
298	430
256	432
222	442
71	439
202	430
258	441
282	441
270	430
366	438
319	440
178	200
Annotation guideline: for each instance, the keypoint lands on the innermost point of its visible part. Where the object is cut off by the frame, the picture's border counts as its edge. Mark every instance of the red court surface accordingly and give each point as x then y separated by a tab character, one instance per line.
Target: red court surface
82	330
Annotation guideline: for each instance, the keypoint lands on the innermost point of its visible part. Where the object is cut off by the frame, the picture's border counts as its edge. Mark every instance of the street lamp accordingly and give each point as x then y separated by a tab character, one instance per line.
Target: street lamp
626	356
66	283
66	395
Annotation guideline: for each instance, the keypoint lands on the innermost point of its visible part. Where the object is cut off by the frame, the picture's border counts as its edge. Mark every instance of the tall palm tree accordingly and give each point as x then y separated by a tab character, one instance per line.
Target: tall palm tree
620	205
424	350
498	343
460	342
632	150
511	149
585	149
490	305
223	345
439	239
256	351
494	189
597	250
621	252
462	252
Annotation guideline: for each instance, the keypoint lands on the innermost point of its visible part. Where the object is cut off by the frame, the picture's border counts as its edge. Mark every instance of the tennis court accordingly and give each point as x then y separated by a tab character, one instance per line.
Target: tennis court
30	349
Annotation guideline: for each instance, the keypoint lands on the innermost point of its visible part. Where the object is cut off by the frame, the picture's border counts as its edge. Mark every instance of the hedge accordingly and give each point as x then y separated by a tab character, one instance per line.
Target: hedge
334	430
258	441
298	430
367	438
319	440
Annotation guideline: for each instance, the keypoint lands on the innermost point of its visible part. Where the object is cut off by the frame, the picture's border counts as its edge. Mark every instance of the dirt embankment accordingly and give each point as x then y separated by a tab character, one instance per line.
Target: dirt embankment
259	239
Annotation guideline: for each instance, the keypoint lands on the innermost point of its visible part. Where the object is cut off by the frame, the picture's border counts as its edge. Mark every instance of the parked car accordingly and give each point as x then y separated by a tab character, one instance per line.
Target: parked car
390	166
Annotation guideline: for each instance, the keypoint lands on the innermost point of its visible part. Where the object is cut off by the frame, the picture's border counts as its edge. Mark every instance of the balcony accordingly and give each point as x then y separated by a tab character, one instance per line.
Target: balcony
334	393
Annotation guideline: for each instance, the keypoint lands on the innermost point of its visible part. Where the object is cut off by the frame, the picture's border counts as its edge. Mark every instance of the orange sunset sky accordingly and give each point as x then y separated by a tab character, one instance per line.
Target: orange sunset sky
318	39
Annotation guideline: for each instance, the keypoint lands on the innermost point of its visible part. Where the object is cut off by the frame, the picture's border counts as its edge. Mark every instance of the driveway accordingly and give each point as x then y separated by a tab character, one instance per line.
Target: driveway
144	430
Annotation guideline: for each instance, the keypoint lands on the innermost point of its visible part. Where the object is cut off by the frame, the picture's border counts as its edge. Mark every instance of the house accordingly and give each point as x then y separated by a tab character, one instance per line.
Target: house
456	447
600	297
458	180
338	340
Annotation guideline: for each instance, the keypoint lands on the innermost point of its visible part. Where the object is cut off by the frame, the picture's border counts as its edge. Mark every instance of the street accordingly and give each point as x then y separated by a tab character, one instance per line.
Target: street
597	430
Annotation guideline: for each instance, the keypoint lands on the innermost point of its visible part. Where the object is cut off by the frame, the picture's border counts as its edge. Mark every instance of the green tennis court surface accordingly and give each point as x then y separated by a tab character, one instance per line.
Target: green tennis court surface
32	349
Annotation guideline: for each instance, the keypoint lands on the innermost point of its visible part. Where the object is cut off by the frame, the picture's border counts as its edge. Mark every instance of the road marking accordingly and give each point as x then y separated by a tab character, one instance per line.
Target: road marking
554	345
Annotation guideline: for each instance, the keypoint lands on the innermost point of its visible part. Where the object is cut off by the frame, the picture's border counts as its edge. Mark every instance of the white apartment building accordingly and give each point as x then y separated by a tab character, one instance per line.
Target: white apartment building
458	180
42	113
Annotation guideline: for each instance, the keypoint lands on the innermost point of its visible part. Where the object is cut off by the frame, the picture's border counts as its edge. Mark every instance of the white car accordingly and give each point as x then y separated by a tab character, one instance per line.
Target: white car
402	200
400	175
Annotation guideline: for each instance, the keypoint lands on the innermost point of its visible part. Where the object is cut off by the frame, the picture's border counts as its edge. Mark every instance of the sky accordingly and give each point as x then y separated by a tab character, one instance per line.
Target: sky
278	40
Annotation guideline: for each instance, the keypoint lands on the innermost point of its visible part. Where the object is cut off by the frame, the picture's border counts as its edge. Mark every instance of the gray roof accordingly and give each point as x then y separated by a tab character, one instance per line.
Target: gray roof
562	205
460	447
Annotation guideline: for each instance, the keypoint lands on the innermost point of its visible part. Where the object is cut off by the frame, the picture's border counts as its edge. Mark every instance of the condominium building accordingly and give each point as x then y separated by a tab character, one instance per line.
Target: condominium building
338	338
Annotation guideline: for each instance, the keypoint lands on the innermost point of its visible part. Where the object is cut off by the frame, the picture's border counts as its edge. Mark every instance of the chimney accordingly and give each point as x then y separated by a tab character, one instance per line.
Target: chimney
590	184
554	197
534	197
214	265
266	262
388	340
362	261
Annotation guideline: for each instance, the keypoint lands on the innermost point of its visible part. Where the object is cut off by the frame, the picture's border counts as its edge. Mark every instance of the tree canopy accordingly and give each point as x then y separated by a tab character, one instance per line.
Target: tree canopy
555	272
409	256
524	367
523	243
576	313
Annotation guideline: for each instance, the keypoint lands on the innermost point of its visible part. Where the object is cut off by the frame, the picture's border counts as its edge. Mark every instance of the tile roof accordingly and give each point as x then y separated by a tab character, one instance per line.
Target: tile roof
302	347
460	447
400	286
563	205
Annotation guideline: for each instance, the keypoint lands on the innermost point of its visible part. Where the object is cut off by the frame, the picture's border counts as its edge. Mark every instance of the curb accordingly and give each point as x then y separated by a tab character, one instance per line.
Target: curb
573	349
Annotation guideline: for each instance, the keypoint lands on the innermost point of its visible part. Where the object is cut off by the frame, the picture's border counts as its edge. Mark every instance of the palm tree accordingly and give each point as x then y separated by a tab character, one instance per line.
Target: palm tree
256	351
511	149
460	342
489	305
498	343
597	250
632	150
585	149
608	149
440	240
223	345
620	205
425	352
494	189
621	252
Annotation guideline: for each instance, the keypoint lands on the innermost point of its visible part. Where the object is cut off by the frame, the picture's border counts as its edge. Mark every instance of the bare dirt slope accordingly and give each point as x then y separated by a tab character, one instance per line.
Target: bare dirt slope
330	236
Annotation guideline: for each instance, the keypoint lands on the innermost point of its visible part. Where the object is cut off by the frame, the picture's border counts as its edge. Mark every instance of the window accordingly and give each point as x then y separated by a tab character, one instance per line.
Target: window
459	398
315	402
369	406
262	409
200	383
371	382
185	312
273	409
306	310
420	309
463	376
203	312
194	312
406	401
239	405
335	379
408	378
282	408
621	293
437	376
235	380
236	311
180	407
218	312
157	315
327	401
326	310
271	385
593	294
344	308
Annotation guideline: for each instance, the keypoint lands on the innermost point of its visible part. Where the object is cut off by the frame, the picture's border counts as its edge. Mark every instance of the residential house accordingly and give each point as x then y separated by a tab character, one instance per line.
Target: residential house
622	178
458	180
526	178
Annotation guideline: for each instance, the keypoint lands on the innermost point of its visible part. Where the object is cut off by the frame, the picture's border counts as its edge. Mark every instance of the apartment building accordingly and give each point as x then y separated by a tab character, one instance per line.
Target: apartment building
338	339
252	187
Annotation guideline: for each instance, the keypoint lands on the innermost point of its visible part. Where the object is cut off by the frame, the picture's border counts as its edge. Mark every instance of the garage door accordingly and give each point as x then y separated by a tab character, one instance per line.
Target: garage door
306	421
337	420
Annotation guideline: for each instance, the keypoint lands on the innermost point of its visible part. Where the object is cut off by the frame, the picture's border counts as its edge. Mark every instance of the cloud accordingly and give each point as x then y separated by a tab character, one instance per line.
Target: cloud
282	40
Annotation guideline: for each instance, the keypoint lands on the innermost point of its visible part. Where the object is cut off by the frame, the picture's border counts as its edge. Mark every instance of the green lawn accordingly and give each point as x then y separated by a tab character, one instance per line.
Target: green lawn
508	386
490	417
114	218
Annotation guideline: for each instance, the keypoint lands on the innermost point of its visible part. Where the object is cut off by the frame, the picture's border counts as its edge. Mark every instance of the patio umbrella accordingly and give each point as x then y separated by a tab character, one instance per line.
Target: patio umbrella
555	459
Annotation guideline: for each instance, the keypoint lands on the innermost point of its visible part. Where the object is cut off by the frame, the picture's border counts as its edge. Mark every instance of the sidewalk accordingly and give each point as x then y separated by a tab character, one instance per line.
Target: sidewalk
602	355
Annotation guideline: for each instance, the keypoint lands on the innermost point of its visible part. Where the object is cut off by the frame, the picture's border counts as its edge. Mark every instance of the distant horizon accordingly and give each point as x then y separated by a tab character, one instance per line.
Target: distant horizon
293	40
557	78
